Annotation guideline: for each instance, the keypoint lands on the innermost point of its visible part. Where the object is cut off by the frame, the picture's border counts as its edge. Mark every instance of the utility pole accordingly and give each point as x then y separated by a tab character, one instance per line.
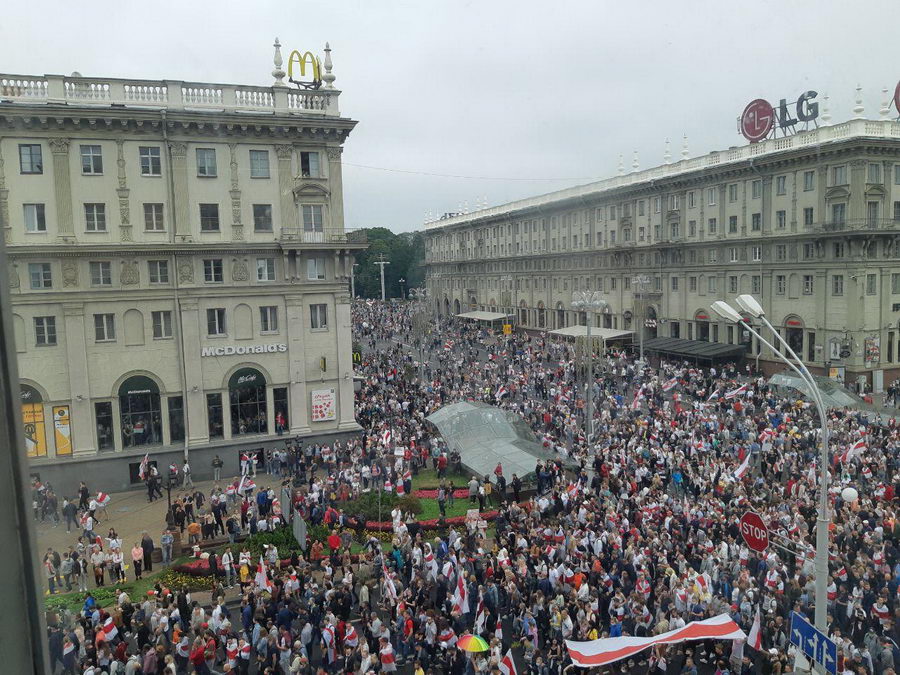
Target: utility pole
381	262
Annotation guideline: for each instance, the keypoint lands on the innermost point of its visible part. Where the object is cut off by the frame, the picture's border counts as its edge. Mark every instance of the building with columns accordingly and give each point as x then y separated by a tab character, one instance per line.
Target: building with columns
809	224
179	268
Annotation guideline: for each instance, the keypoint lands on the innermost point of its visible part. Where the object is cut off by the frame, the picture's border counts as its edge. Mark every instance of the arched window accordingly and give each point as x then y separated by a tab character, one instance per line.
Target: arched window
139	412
33	421
247	396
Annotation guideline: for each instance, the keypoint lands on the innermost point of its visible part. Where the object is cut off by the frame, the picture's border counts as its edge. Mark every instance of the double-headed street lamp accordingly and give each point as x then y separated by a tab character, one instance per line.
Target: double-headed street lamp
589	302
640	284
749	305
419	297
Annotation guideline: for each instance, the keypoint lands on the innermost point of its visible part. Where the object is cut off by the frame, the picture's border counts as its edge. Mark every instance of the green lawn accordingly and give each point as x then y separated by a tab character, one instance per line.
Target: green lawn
430	508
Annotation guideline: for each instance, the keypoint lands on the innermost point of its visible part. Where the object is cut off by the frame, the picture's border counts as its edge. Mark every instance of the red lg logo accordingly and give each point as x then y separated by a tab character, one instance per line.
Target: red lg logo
757	120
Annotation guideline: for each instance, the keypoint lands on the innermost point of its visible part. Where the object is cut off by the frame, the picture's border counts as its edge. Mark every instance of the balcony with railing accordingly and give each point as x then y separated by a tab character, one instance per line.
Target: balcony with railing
858	224
324	237
108	92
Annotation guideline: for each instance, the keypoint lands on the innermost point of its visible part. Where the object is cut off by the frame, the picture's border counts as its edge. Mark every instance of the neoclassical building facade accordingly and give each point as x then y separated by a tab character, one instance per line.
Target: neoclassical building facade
809	224
179	267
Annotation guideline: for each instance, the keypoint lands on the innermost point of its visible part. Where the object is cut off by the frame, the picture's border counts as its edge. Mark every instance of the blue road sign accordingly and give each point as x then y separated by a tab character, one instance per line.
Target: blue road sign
814	644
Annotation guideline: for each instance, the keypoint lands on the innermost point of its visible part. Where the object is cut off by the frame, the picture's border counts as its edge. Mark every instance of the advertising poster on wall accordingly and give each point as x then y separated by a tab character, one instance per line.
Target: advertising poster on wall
323	405
62	430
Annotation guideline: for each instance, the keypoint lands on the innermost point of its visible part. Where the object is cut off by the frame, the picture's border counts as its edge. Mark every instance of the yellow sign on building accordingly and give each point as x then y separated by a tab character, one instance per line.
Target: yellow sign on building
62	430
315	70
507	329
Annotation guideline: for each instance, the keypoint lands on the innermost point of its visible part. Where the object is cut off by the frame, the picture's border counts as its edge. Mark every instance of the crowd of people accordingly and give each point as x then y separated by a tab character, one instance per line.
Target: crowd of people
631	532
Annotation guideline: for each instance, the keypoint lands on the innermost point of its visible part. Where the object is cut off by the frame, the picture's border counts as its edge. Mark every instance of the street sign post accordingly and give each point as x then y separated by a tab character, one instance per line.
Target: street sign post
754	531
814	644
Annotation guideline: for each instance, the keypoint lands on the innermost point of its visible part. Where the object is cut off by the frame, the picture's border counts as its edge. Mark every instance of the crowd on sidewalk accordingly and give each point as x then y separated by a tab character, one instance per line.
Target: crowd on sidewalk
631	534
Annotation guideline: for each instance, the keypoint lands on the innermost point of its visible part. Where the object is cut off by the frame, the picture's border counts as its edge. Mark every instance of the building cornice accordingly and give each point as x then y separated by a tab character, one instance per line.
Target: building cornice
161	250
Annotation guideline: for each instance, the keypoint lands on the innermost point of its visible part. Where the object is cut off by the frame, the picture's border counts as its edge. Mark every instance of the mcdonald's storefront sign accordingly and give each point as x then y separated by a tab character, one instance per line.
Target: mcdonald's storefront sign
301	61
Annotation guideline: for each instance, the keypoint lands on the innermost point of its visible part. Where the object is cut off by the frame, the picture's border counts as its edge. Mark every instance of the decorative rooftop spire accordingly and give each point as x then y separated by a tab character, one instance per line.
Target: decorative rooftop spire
667	155
885	104
621	166
826	113
859	109
684	149
328	78
635	165
278	73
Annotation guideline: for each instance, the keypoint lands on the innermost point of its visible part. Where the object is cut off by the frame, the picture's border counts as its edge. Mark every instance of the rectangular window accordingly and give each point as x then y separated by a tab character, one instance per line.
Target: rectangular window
162	324
757	253
839	175
809	181
214	415
808	215
732	224
612	214
215	322
206	162
756	189
756	222
91	160
153	218
268	319
809	250
780	284
837	284
262	217
104	417
151	164
897	210
158	271
209	217
35	221
176	418
732	192
838	249
712	225
104	327
838	213
780	185
732	284
259	164
781	219
95	217
711	196
673	202
101	274
873	174
265	269
755	284
309	165
872	213
30	160
808	284
312	218
713	255
733	257
674	283
781	252
212	271
692	284
692	228
641	207
318	316
871	284
674	229
895	284
315	269
692	199
45	331
39	274
657	204
712	283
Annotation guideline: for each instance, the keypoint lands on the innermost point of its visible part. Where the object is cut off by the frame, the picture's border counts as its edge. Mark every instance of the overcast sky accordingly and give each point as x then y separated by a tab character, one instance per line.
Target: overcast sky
551	92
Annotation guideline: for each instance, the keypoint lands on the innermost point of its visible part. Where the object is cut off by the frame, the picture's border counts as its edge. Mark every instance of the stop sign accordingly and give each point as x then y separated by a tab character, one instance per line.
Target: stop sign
754	531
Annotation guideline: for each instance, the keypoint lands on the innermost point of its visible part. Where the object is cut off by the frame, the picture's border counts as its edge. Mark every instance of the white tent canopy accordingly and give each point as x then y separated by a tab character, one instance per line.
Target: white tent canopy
483	316
598	333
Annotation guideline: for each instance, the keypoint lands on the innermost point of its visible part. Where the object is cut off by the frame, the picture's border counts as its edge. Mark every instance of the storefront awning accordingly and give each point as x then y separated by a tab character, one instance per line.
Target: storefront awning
697	350
596	333
482	316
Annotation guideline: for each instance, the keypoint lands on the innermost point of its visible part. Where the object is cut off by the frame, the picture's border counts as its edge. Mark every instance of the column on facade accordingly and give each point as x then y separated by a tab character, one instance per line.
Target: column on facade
284	153
298	399
195	416
164	413
336	187
5	225
270	409
346	408
180	200
79	382
62	187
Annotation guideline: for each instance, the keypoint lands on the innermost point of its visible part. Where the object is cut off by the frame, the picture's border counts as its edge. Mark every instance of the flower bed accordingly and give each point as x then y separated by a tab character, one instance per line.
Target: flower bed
432	493
432	524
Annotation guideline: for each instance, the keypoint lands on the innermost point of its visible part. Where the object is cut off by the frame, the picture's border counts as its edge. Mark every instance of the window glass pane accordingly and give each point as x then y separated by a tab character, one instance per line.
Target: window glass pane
104	419
214	415
176	418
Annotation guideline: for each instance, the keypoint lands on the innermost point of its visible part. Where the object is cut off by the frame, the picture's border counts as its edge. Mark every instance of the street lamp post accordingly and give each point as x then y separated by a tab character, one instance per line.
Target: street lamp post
589	302
353	280
640	282
419	296
749	304
402	281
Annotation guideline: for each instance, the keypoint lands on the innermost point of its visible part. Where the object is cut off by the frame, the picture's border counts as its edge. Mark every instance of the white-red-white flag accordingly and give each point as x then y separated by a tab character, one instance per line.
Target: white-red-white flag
461	596
480	615
743	468
597	653
754	639
262	580
501	392
498	631
669	385
734	393
507	664
144	468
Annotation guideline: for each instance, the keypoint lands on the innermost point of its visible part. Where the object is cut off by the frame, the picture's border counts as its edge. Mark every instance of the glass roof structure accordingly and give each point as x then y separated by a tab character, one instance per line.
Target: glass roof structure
484	435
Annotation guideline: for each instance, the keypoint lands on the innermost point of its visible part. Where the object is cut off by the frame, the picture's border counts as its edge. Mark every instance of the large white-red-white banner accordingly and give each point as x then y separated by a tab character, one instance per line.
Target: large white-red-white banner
609	650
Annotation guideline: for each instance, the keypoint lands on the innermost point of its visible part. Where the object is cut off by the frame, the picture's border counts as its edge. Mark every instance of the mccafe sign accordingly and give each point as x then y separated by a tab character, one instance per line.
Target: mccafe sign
231	350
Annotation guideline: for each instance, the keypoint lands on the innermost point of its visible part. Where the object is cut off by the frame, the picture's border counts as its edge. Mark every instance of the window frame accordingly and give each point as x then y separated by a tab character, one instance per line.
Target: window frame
205	166
40	217
150	158
318	314
95	217
213	267
31	171
86	152
209	218
263	208
162	319
308	155
257	153
150	209
268	319
100	272
107	322
162	269
216	317
267	268
46	275
319	273
45	326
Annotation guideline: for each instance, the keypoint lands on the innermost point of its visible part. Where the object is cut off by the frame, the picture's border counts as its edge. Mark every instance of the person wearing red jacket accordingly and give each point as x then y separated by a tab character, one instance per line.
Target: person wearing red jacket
198	657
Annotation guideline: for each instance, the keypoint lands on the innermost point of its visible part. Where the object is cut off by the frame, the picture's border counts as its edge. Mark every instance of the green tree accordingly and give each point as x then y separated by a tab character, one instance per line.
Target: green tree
405	252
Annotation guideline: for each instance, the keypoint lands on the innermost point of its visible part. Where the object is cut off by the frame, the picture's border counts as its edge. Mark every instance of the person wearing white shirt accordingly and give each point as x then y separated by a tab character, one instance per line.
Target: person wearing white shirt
228	566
